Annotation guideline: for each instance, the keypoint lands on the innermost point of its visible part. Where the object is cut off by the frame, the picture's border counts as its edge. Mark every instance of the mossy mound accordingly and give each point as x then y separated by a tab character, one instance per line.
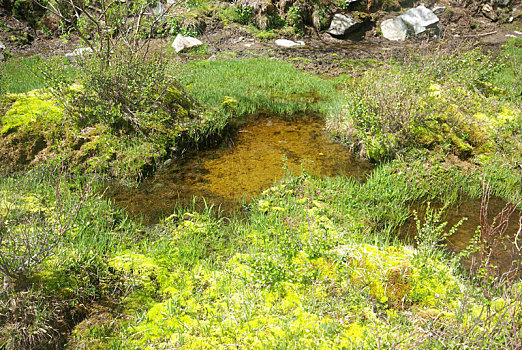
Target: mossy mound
447	102
35	128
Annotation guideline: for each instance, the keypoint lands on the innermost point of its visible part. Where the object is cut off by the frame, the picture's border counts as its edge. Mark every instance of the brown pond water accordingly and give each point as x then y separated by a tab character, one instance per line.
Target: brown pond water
251	162
459	241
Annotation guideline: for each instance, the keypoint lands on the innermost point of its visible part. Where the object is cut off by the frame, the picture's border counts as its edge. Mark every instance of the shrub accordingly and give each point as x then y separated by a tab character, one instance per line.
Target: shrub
30	231
445	100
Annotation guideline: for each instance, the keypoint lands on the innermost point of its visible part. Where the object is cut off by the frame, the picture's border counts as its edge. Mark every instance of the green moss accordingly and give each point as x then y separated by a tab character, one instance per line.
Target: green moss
36	106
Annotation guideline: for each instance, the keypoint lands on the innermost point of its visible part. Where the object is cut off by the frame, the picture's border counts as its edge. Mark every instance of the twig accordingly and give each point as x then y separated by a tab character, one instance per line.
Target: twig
479	35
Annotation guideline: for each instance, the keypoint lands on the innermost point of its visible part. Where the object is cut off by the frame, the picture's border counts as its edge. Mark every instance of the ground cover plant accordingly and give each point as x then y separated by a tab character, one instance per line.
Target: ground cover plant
451	100
126	120
262	85
311	263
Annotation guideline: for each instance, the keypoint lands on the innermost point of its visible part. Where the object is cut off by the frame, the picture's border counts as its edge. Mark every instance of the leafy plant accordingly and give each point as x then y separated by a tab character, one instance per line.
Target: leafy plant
242	12
431	233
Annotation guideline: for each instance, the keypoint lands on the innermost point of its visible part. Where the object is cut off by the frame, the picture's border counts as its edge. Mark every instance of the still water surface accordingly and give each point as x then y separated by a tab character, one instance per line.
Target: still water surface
260	154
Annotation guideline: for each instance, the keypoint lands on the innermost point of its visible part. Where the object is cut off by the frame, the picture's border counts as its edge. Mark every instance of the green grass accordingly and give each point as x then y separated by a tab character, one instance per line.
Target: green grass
508	78
313	264
24	74
250	86
310	267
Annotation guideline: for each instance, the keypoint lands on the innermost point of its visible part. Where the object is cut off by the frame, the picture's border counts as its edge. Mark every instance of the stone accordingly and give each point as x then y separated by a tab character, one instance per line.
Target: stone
394	29
182	43
262	6
80	52
341	25
489	12
318	19
2	48
420	18
288	43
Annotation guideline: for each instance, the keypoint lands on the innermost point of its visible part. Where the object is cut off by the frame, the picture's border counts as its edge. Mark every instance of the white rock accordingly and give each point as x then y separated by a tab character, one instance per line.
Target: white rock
288	43
2	46
394	29
341	24
185	42
419	18
80	52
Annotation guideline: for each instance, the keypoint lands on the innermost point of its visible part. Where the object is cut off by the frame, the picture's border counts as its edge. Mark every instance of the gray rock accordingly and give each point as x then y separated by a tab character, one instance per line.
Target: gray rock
318	19
341	25
394	29
288	43
419	18
2	48
80	52
182	43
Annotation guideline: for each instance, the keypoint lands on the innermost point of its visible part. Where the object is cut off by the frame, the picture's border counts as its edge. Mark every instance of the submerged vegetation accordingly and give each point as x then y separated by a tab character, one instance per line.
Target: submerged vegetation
311	263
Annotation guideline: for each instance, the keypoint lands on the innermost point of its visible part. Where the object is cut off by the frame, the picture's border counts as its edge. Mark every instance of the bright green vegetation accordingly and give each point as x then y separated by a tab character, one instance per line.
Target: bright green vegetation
129	130
313	264
508	79
448	101
251	86
19	75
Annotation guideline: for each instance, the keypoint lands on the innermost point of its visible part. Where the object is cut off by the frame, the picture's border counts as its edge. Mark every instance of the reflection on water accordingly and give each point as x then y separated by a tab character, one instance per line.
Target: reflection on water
256	158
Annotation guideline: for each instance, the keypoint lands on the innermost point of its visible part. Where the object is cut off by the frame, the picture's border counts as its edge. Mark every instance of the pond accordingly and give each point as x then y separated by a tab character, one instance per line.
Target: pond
506	253
261	152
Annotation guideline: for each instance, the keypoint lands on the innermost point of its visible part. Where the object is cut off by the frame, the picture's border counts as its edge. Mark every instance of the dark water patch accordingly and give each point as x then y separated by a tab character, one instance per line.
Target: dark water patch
505	254
261	153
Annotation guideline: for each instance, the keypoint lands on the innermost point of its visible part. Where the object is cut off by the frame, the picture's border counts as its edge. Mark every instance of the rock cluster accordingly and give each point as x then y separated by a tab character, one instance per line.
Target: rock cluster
416	21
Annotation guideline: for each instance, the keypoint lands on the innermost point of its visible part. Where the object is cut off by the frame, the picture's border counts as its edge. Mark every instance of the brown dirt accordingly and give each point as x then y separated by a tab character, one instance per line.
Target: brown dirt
322	54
